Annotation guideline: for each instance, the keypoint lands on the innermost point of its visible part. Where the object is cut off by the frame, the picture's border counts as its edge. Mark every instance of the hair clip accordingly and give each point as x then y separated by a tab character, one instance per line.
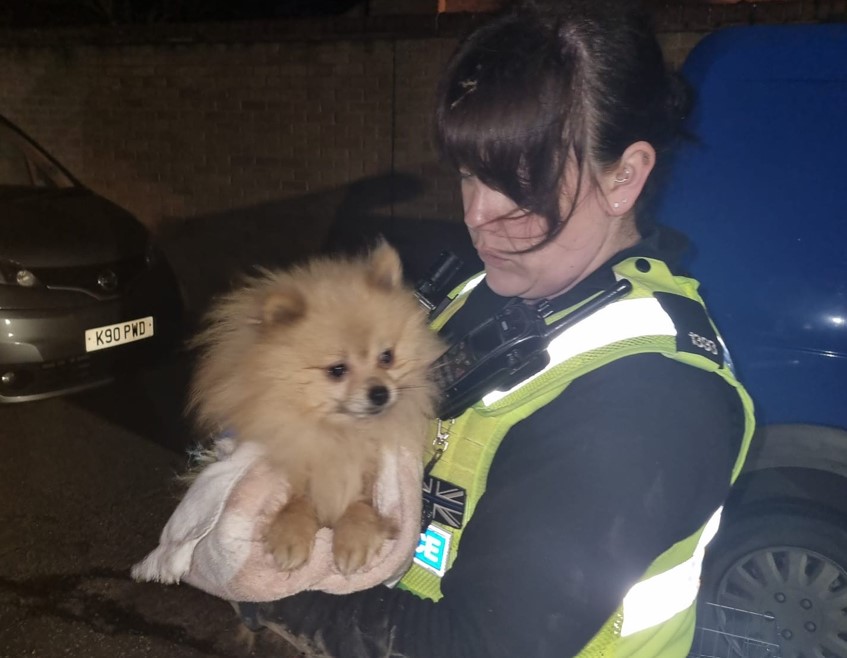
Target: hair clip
469	86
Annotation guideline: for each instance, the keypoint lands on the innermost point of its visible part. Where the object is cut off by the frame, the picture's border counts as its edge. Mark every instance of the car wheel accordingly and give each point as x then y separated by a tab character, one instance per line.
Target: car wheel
786	566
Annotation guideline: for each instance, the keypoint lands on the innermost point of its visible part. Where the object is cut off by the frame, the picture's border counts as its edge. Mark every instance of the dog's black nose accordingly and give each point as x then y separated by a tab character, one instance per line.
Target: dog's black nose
378	395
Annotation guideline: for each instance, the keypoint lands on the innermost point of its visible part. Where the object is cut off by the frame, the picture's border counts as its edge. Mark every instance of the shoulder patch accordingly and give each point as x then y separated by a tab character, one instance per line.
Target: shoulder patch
695	334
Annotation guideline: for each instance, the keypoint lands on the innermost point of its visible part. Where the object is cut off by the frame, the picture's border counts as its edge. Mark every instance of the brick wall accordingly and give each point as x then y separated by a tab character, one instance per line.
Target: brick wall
182	130
257	129
185	130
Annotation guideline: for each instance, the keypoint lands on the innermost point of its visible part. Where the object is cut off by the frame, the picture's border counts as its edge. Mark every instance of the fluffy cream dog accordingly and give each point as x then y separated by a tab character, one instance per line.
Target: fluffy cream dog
324	365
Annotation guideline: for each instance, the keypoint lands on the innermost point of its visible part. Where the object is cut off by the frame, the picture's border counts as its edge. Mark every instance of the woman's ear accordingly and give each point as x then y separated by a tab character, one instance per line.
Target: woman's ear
622	185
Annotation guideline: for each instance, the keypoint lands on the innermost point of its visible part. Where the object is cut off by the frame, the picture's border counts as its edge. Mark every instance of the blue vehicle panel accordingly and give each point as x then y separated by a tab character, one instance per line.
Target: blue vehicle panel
762	194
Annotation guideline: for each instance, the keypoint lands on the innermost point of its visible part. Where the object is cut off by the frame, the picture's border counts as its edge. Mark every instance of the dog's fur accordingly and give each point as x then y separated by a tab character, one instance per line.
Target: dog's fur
325	365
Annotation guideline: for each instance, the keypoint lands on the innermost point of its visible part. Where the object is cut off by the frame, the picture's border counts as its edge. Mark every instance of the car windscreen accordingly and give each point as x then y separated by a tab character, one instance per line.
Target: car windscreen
23	164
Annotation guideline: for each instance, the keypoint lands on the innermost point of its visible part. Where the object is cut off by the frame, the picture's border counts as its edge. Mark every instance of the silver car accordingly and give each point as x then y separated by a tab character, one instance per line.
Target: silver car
84	293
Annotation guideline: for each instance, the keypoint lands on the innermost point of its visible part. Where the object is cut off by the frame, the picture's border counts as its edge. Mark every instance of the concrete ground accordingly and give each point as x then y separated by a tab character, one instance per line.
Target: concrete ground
86	485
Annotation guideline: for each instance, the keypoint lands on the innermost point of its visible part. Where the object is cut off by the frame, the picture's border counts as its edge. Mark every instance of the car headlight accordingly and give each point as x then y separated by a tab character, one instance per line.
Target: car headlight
14	274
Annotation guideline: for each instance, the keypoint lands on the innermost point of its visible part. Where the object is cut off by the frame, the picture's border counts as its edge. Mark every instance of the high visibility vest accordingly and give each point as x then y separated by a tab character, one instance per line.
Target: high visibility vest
663	314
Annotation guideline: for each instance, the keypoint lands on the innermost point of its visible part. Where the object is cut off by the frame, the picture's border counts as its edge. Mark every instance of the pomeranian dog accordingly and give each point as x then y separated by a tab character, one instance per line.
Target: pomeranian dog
324	365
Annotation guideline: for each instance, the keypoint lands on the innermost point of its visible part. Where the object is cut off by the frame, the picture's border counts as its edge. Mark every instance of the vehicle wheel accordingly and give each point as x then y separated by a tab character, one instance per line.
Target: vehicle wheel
789	566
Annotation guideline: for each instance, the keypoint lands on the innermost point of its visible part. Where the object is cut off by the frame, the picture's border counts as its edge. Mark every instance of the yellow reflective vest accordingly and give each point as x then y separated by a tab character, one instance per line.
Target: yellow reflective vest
663	314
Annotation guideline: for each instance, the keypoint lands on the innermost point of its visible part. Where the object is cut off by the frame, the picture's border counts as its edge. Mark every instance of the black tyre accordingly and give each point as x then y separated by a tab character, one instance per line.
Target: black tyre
787	565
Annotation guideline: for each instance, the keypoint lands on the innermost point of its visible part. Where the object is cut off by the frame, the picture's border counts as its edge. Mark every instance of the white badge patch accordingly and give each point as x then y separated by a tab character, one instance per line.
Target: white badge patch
433	549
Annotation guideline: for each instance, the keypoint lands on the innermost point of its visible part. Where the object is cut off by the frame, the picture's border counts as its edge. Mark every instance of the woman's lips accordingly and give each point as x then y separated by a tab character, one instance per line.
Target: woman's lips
491	257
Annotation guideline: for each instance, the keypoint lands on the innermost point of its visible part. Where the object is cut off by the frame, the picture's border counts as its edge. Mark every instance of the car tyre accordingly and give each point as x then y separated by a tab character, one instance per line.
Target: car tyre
787	566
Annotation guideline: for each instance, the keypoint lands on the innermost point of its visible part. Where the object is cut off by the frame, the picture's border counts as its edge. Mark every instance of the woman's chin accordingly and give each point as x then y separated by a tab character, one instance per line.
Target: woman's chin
504	283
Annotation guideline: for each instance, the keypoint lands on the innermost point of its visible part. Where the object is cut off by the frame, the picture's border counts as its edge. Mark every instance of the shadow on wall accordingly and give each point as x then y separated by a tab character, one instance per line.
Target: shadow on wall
209	253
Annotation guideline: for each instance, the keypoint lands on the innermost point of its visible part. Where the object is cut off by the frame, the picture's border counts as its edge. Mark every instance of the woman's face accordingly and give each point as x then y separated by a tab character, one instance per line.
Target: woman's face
500	230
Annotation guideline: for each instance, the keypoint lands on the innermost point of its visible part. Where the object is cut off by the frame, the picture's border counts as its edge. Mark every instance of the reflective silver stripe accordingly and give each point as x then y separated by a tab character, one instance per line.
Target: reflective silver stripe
660	597
628	318
471	284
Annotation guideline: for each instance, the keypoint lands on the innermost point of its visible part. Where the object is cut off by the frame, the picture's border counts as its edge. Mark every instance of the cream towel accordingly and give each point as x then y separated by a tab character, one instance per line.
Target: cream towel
214	538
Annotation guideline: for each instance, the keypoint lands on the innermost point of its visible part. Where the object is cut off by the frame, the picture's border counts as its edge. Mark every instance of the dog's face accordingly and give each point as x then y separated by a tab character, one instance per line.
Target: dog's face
341	343
358	374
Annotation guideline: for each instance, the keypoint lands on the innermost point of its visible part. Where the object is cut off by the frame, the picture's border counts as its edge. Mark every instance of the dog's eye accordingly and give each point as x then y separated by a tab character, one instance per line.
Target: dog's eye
337	371
386	358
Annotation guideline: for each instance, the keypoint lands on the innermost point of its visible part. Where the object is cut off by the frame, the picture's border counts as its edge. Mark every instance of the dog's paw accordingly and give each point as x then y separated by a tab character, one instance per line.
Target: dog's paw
290	550
358	536
291	535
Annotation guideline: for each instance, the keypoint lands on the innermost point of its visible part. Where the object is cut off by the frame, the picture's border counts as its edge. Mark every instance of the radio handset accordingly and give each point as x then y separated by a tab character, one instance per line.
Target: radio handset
506	349
436	283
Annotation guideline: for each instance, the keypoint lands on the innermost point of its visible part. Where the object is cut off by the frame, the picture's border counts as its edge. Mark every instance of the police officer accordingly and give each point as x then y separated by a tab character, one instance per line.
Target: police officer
569	512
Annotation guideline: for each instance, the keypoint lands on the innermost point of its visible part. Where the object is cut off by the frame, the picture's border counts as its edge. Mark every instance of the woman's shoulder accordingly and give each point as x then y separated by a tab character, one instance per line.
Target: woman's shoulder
644	402
650	384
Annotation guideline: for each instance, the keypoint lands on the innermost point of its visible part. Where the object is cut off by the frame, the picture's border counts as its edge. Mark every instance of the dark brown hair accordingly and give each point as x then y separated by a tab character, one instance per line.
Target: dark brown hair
545	80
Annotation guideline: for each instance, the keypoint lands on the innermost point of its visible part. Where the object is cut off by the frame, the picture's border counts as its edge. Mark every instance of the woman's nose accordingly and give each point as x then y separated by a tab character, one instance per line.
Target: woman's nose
481	204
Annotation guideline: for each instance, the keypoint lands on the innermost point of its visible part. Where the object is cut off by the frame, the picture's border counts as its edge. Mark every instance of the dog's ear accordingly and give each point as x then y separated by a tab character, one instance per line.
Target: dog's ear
283	306
386	270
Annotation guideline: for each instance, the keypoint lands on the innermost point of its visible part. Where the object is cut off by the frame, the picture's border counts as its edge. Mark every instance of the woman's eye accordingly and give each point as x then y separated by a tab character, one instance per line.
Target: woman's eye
386	358
337	371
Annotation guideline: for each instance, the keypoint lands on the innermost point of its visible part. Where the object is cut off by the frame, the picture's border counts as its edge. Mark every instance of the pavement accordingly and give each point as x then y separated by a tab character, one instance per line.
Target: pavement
86	484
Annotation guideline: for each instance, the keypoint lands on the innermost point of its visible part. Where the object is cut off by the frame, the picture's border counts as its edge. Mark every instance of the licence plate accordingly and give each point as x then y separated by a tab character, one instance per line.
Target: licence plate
113	335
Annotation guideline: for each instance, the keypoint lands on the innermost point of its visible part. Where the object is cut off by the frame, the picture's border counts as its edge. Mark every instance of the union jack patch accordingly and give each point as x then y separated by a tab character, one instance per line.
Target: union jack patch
443	502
